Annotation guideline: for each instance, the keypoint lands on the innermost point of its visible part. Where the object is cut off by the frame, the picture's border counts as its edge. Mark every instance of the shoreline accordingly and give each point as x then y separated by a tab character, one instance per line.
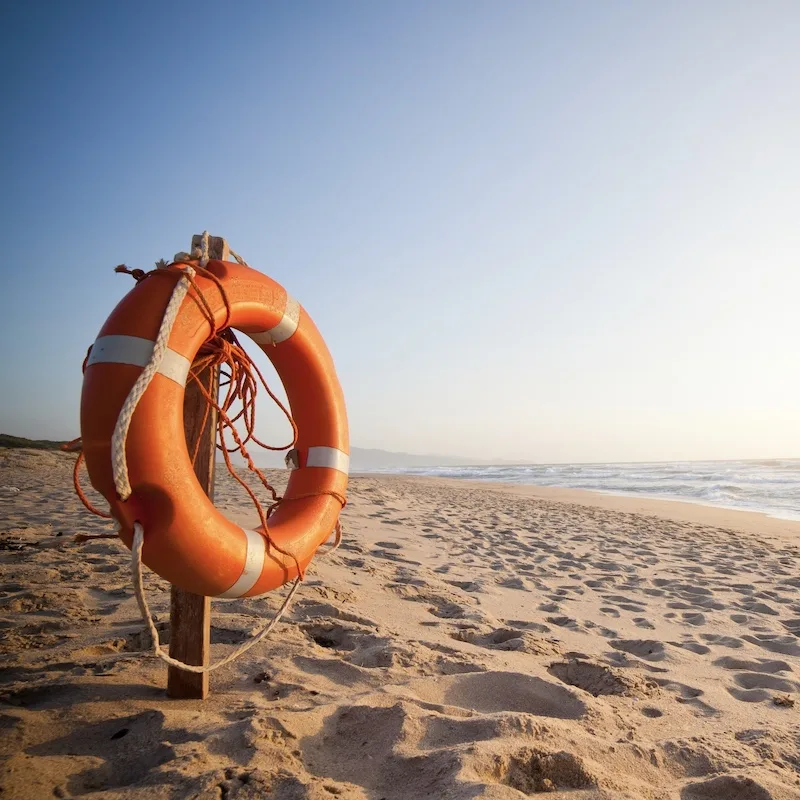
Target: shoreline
664	508
675	499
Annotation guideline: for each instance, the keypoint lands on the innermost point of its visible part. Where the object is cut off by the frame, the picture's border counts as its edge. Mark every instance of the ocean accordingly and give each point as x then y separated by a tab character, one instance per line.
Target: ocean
771	486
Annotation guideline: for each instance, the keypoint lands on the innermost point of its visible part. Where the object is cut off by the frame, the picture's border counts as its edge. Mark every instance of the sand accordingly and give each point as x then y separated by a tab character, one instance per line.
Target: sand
466	641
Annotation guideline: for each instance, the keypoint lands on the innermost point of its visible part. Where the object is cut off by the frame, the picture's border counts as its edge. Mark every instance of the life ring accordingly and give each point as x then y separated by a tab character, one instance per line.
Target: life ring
187	540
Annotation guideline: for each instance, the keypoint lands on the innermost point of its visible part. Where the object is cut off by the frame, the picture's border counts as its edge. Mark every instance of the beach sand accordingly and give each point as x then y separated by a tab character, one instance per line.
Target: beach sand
466	641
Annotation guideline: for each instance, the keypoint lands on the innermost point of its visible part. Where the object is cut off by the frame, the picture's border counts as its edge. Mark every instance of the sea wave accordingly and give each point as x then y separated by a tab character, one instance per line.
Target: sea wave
771	486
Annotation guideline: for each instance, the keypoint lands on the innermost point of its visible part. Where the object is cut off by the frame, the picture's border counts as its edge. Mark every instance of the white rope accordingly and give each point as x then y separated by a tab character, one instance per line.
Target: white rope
136	569
119	440
203	249
202	253
238	258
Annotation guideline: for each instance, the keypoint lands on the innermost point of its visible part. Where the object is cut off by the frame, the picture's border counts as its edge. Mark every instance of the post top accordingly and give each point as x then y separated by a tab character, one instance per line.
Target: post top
217	247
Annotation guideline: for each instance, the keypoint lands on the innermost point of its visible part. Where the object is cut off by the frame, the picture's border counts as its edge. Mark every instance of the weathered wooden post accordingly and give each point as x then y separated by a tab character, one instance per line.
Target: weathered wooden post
190	614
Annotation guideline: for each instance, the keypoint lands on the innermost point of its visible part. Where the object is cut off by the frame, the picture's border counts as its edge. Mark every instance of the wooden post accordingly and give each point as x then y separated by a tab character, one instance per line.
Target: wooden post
190	614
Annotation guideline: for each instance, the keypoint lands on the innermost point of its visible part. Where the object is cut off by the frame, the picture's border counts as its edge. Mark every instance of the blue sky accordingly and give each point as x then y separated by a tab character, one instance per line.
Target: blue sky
538	231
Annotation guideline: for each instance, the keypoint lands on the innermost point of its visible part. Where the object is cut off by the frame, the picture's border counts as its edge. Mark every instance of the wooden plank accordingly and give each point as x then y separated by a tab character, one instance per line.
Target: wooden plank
190	614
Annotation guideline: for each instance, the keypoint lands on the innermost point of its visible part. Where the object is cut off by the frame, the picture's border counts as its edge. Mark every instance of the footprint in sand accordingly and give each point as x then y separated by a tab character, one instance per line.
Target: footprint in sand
613	566
509	639
351	547
565	591
792	625
105	568
447	732
467	586
365	648
536	627
391	555
648	649
565	622
688	695
663	582
625	603
440	606
598	679
719	640
598	584
752	686
493	692
729	787
693	647
602	630
447	610
757	665
514	583
530	770
774	643
757	607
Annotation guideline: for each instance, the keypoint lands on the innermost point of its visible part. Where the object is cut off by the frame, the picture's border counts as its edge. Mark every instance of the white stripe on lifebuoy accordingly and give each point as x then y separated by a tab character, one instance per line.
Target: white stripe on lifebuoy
134	350
328	457
253	565
284	329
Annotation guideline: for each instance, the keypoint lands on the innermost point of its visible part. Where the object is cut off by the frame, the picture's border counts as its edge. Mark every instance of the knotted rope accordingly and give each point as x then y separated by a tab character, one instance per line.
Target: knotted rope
120	437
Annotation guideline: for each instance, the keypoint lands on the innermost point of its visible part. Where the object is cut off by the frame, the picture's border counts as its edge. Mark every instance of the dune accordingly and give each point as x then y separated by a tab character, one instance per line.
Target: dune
465	641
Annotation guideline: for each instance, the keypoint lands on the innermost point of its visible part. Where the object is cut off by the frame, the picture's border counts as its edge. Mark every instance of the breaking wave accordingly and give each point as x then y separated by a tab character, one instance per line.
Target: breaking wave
771	486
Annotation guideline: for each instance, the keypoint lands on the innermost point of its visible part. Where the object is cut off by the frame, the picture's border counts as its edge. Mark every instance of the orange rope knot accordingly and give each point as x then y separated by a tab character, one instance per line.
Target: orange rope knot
138	274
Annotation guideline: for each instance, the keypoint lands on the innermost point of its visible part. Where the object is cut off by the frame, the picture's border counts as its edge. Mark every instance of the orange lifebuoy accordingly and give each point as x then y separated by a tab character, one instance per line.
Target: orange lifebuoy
188	541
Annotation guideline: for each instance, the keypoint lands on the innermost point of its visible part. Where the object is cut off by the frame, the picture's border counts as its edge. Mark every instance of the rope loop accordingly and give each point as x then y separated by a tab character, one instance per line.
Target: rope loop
158	651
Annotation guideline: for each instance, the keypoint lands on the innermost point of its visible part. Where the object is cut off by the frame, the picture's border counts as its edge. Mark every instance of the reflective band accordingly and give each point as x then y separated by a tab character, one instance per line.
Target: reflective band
284	329
137	351
328	457
253	565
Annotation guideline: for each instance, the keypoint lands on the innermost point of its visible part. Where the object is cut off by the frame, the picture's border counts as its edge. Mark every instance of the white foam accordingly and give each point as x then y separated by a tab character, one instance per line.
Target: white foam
769	486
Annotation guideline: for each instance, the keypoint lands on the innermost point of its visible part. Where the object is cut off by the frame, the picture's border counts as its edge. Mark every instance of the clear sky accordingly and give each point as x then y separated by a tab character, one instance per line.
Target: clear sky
562	231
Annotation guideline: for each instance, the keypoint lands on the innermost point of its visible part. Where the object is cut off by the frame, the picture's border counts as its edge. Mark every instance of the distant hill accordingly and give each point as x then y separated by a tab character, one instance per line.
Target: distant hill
361	459
7	440
367	460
